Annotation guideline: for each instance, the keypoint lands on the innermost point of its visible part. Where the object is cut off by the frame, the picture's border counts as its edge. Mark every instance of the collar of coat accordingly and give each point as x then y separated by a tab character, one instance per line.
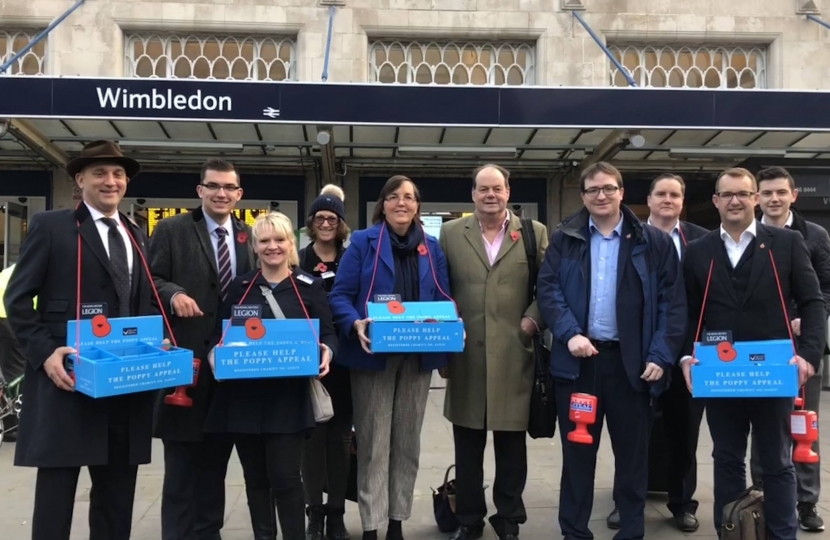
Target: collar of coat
577	224
199	214
799	223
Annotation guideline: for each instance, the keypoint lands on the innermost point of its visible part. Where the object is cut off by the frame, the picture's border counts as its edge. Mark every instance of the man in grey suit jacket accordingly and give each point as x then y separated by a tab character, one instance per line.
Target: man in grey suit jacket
194	257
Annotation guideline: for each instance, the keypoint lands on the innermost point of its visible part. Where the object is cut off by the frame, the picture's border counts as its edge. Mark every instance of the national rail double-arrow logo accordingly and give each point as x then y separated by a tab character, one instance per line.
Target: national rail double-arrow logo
271	112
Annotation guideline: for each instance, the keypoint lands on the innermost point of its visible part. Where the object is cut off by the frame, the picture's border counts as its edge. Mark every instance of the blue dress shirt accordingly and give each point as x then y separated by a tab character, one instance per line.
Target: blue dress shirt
602	309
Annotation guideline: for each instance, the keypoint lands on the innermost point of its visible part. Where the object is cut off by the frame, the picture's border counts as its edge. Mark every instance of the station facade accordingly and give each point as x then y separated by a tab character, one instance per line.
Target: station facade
352	91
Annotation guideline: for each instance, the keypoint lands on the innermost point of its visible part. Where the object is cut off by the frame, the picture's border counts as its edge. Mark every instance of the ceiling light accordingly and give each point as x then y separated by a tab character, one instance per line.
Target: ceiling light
637	140
467	151
725	152
323	137
181	145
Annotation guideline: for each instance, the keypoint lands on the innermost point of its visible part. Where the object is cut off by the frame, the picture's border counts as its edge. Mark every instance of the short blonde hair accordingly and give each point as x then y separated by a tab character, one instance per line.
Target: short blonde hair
279	224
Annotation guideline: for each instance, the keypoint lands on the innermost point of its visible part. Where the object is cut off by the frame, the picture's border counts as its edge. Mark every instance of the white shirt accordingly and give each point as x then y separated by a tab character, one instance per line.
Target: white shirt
675	235
788	224
104	230
736	249
229	239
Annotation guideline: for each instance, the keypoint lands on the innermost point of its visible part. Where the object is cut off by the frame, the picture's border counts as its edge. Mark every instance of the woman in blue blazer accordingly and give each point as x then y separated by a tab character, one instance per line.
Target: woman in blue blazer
389	391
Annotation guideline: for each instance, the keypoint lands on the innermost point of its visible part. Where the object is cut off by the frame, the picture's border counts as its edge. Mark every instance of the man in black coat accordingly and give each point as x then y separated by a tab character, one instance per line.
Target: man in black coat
193	256
777	194
63	430
680	414
743	298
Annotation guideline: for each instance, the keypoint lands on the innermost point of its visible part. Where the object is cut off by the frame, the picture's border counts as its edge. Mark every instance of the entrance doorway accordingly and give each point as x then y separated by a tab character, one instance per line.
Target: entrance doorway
16	213
432	212
148	212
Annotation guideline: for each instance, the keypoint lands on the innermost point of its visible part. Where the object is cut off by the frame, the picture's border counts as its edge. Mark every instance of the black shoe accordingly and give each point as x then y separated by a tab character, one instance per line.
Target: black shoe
468	533
370	535
335	528
613	520
394	530
686	522
509	536
316	523
808	518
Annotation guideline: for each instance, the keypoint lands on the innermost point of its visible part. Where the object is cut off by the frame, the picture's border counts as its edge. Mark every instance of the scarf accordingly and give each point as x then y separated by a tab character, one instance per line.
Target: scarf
405	254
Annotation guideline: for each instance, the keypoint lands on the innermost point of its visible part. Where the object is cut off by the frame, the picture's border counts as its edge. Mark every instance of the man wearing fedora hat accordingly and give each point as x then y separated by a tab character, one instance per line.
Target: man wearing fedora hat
63	430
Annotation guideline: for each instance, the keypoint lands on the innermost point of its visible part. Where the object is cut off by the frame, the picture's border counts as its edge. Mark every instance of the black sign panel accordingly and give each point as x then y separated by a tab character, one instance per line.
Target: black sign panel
397	105
165	98
611	107
812	185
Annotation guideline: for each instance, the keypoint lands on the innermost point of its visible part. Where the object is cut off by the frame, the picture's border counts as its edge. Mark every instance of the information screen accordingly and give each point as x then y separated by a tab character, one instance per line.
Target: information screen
154	215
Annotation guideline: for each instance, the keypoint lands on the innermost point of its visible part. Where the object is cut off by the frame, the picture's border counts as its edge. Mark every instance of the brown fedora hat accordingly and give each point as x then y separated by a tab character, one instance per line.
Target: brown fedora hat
102	152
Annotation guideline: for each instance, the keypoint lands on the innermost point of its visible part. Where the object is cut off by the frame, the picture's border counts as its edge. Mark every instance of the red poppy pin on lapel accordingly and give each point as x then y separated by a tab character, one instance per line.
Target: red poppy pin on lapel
321	268
515	236
422	249
242	237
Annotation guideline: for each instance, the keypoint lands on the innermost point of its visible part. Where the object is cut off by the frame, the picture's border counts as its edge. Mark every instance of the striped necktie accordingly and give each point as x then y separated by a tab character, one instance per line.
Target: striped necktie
225	273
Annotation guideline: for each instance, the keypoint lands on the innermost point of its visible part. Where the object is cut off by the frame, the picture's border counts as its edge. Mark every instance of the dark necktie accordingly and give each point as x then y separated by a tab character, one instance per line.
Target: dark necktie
225	274
120	268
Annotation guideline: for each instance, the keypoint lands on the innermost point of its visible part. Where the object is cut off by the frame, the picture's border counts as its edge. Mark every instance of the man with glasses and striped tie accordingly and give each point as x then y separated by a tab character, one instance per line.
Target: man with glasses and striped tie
194	257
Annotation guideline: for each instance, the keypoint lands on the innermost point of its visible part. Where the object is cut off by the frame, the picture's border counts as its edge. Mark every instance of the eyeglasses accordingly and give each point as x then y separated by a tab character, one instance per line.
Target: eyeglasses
406	198
741	195
607	190
210	186
331	220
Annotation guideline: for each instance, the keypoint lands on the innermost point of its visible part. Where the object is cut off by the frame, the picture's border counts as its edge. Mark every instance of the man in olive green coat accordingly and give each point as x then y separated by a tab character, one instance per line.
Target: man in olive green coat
490	383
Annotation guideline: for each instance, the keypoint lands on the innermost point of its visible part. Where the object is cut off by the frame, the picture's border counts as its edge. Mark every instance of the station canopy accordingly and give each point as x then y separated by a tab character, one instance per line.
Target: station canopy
176	123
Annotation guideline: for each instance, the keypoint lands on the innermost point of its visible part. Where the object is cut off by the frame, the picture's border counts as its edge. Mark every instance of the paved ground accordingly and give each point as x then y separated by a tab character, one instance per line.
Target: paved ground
541	495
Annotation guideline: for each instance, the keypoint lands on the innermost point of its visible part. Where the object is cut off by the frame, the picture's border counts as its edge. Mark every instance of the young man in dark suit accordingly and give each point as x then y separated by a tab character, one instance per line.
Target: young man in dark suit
681	416
743	298
61	430
777	194
194	257
611	292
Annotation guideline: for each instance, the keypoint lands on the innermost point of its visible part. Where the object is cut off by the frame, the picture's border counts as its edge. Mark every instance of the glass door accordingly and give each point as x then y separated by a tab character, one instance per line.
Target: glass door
16	222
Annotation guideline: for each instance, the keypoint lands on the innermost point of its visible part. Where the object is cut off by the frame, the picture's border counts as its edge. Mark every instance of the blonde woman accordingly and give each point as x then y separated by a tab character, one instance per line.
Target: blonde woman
272	418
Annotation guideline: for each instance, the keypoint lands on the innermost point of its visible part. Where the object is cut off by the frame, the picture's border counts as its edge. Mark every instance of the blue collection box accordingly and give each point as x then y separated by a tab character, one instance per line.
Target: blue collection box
124	356
415	327
259	349
746	369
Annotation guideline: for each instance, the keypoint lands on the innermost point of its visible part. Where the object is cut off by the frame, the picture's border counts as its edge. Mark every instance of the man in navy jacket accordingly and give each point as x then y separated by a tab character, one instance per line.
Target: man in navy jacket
611	292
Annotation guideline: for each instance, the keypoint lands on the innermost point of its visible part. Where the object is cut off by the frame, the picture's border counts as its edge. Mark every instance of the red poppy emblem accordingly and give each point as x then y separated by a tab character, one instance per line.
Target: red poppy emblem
321	268
242	237
515	236
422	249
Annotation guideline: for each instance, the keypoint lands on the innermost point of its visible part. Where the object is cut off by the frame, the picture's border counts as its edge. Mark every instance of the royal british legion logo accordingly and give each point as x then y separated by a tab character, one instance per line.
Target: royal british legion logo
583	405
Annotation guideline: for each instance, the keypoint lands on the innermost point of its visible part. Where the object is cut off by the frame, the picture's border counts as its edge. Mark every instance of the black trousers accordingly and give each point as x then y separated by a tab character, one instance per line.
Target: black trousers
273	461
729	423
511	476
629	416
110	499
682	416
327	457
12	359
193	494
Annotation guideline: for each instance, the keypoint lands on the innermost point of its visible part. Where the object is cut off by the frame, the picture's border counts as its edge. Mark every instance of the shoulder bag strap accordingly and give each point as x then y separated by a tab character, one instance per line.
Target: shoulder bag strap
529	238
272	302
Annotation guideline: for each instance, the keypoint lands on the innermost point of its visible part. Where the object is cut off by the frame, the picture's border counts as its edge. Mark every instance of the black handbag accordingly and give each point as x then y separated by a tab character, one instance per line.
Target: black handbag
443	504
542	420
